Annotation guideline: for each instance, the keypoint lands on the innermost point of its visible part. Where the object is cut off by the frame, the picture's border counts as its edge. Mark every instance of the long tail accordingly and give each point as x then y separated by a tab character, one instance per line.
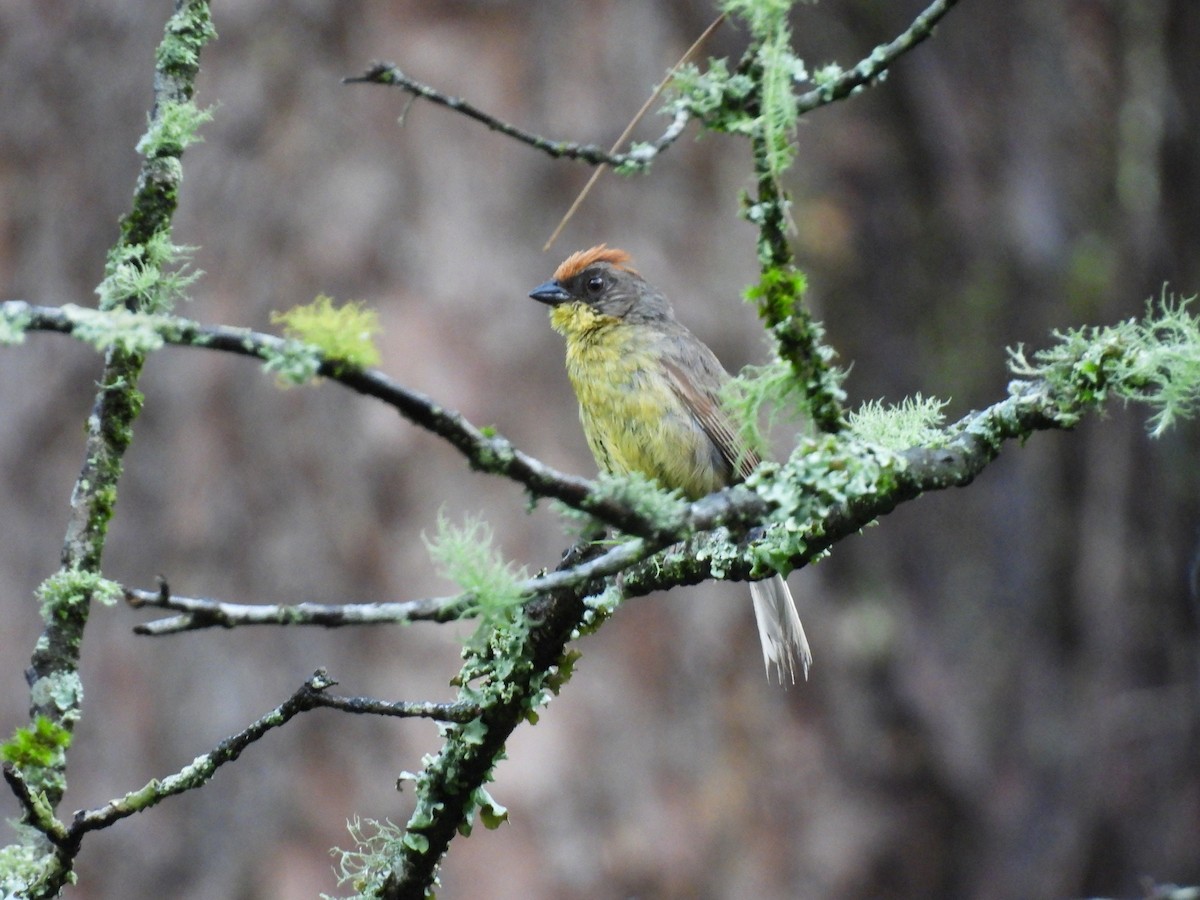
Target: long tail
783	641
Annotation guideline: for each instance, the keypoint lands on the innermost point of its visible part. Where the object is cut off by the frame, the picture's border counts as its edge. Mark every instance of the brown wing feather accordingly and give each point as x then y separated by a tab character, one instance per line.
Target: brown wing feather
705	406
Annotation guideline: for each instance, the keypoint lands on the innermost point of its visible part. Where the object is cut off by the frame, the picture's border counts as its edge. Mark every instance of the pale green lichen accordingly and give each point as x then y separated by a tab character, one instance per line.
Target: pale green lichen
663	510
130	332
13	323
185	34
821	475
292	362
913	422
150	277
62	691
1153	360
173	129
366	867
68	587
25	865
465	555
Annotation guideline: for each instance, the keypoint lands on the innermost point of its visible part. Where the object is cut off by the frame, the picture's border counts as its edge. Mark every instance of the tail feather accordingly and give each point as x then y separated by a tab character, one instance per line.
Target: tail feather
783	642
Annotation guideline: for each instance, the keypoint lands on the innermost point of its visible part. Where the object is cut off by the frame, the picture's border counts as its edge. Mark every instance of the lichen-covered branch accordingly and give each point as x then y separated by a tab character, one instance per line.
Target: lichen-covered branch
830	489
137	277
835	84
483	448
309	696
758	100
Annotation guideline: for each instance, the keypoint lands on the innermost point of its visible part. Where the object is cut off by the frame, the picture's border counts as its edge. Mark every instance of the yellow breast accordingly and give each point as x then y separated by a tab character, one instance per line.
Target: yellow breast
633	419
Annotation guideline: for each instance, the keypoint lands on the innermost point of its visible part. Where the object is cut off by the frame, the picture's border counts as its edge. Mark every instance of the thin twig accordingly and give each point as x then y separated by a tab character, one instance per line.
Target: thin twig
390	74
310	695
871	67
199	613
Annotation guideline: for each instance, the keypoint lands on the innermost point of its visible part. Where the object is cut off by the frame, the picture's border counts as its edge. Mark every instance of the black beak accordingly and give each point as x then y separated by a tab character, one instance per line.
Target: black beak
551	293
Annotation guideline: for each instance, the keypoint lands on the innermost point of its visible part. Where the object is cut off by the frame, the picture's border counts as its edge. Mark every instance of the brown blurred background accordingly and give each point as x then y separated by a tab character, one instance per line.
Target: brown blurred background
1005	701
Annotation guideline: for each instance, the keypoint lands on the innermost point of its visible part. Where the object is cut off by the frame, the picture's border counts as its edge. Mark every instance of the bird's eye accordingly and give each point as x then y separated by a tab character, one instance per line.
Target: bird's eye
595	285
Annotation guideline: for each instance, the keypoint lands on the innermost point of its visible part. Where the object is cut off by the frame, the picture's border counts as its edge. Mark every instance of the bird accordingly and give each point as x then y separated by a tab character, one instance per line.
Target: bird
649	401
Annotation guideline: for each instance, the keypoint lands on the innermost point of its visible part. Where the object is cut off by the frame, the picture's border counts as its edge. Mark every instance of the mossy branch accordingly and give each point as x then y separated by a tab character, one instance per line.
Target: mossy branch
297	361
758	100
140	275
313	694
831	488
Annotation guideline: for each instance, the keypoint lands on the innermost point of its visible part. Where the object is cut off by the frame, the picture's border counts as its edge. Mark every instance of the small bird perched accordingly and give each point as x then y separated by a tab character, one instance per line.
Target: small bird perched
648	393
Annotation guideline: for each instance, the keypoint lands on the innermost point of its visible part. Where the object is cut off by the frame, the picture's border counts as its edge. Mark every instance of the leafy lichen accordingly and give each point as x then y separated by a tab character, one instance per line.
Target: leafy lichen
821	475
73	586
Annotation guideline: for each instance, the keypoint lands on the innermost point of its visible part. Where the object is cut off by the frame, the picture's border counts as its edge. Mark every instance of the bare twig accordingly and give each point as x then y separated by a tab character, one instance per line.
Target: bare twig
199	613
390	74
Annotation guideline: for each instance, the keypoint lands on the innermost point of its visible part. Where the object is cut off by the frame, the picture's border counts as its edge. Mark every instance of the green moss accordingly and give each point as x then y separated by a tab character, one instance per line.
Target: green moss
343	334
803	374
39	745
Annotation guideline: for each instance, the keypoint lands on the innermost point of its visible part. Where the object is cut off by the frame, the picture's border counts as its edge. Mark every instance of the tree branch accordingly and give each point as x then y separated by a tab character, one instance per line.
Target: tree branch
486	452
637	159
874	66
311	695
200	613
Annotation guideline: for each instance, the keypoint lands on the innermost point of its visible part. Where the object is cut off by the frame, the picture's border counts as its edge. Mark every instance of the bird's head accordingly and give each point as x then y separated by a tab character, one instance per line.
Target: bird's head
597	285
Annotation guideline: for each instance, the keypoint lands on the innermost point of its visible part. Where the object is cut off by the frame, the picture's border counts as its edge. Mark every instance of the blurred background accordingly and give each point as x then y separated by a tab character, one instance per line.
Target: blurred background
1006	695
